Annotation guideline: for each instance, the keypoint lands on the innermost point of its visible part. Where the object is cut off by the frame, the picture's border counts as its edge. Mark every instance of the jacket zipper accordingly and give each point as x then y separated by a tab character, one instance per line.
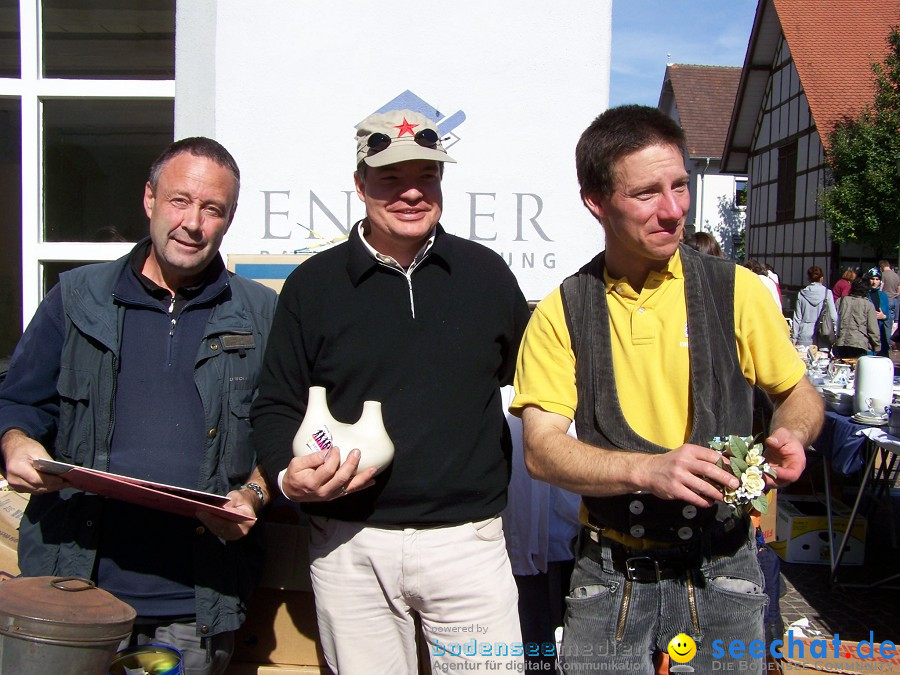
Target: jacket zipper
407	274
391	264
172	322
112	410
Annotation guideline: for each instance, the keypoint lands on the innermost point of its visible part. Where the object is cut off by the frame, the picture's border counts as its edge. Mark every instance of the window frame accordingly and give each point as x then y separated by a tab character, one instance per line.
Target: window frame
32	89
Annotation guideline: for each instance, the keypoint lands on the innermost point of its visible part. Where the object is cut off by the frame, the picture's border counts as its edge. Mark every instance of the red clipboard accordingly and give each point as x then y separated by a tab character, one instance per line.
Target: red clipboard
169	498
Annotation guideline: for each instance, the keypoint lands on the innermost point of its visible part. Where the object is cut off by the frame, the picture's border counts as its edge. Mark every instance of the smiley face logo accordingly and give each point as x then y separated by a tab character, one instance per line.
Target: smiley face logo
682	648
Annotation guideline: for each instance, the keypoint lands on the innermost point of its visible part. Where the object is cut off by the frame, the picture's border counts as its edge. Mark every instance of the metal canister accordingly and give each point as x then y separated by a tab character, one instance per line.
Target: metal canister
59	625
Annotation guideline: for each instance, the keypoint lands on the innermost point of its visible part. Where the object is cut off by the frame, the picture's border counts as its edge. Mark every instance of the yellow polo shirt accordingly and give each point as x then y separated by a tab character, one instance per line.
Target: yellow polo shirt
651	359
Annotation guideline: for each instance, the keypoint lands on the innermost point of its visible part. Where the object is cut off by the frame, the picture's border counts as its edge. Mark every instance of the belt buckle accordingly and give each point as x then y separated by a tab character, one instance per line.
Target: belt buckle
631	568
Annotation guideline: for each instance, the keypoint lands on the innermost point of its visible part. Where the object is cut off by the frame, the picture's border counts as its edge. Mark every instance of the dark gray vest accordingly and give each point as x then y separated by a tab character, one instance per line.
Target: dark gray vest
721	396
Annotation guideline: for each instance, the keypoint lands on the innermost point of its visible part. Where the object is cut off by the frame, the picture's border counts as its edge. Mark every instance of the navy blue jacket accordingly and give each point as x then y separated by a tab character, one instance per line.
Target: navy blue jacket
61	390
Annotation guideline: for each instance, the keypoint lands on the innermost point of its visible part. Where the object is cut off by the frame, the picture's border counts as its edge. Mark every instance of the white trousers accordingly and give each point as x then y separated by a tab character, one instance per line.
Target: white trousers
368	582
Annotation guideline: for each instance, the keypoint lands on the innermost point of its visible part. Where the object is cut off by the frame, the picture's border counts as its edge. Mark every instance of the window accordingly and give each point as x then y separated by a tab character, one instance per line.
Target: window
109	39
740	194
10	224
787	182
97	153
86	104
9	38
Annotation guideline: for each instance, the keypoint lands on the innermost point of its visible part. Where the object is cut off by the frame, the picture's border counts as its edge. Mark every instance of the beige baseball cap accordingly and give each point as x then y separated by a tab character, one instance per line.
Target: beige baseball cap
398	136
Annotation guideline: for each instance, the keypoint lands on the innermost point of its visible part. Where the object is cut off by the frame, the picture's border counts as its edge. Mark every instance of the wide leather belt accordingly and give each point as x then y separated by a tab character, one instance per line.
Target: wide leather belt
642	566
654	565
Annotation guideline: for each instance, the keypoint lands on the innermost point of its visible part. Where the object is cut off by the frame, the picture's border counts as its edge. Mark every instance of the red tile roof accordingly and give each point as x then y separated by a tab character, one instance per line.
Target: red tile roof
704	97
833	44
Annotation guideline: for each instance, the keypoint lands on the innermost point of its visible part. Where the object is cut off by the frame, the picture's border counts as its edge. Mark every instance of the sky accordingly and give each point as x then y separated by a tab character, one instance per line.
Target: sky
647	34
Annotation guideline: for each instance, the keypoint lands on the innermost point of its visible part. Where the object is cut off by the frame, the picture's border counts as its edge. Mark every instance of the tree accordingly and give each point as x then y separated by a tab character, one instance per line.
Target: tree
730	232
862	197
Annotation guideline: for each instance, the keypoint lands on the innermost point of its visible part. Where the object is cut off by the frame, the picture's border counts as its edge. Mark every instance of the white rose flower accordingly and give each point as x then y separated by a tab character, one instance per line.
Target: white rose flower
753	482
754	456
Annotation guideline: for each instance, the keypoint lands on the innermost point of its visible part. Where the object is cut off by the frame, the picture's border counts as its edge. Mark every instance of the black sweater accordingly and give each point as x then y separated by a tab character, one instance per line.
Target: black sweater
345	322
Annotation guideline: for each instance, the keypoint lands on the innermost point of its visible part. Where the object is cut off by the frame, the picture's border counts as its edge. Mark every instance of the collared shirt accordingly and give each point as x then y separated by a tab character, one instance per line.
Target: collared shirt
388	261
183	294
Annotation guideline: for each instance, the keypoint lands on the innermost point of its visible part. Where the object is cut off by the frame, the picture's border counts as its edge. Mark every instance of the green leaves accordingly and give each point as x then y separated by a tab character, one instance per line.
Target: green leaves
738	466
745	460
738	447
761	504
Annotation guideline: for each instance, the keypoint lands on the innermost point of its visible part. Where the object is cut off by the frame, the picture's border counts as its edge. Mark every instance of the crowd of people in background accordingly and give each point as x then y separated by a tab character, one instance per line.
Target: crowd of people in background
863	307
867	324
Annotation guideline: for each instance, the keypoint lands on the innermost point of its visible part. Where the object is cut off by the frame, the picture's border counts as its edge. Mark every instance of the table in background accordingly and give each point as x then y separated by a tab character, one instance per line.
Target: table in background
848	451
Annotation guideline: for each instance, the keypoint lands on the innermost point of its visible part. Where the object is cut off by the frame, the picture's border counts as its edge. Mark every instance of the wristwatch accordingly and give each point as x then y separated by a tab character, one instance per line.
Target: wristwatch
257	489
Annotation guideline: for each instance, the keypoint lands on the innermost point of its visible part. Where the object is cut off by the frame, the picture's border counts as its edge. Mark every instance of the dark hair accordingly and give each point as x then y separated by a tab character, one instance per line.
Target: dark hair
883	263
618	132
705	243
814	274
199	146
859	288
108	233
755	266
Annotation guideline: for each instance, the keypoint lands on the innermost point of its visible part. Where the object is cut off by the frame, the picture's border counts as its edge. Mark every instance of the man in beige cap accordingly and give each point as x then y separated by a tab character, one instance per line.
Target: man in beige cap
429	325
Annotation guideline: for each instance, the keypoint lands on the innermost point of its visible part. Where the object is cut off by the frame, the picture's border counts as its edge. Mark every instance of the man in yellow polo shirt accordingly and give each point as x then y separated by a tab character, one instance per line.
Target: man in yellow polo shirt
653	350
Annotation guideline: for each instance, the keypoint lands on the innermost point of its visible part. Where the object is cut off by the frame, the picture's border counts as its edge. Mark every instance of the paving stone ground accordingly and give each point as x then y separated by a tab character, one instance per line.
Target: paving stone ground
849	611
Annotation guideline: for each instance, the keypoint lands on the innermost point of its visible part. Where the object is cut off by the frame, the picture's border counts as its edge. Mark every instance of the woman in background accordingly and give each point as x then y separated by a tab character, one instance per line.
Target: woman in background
842	286
705	243
857	326
811	302
760	270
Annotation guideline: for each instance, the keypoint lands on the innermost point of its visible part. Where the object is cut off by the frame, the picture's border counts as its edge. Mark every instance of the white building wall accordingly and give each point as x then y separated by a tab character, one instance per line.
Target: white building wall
282	84
712	205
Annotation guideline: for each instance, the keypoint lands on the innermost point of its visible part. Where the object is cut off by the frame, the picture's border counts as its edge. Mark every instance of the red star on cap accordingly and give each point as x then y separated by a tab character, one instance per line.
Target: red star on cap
406	128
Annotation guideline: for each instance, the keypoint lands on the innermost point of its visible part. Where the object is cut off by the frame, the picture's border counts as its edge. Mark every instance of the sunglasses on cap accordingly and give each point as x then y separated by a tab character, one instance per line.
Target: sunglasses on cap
377	142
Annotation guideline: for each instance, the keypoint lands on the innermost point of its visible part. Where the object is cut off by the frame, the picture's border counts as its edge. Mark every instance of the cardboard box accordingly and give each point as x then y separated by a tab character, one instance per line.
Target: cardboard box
12	506
280	629
767	520
849	658
802	531
256	669
287	557
269	270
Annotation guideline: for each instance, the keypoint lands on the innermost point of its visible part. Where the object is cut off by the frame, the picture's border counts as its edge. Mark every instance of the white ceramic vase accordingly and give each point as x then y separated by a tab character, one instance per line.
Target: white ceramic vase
319	431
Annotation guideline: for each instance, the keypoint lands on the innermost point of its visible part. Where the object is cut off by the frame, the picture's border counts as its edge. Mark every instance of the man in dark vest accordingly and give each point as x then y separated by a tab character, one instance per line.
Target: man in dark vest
653	350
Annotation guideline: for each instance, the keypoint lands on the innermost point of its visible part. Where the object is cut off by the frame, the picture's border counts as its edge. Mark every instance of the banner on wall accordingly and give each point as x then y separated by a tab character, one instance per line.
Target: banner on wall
510	86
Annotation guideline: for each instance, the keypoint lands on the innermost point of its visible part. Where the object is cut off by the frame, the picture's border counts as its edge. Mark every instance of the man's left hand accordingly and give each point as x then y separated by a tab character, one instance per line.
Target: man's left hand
239	501
786	454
